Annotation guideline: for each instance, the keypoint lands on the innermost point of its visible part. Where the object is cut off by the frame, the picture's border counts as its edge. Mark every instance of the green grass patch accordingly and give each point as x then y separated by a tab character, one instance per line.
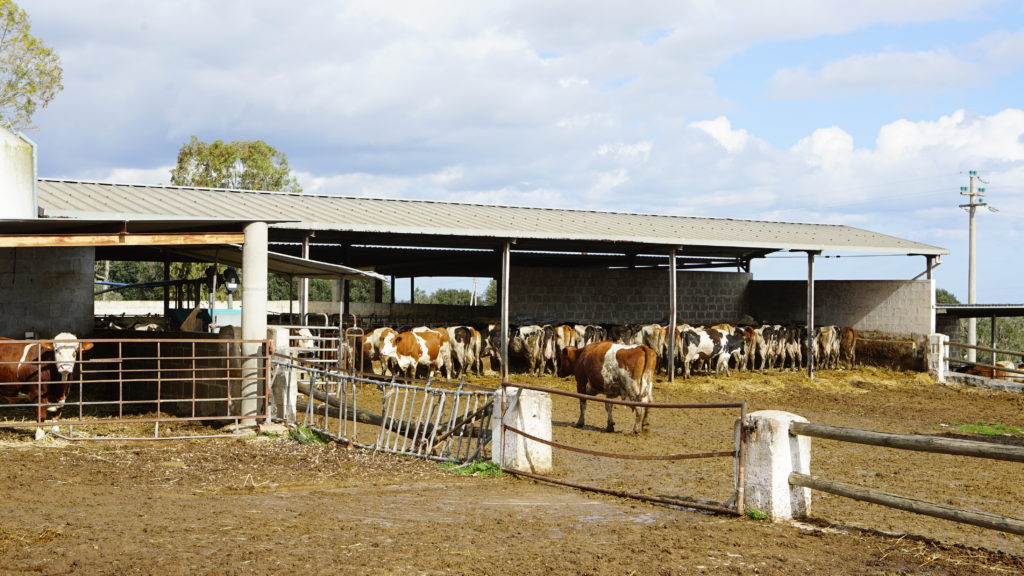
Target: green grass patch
756	515
484	468
304	435
988	429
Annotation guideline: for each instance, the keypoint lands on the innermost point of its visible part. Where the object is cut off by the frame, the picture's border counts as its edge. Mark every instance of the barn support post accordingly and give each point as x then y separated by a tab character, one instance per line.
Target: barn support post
673	306
506	259
771	453
995	333
810	312
254	315
167	289
304	283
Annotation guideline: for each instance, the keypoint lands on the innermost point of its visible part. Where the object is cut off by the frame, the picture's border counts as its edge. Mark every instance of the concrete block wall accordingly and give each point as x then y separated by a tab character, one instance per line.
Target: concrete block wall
46	291
625	296
895	307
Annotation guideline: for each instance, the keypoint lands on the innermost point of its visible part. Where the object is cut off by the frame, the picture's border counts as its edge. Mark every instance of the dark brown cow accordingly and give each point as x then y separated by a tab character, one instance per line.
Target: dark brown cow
615	370
848	347
39	371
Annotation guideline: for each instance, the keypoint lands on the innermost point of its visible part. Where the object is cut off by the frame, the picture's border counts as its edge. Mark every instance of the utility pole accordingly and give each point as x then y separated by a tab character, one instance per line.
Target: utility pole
976	199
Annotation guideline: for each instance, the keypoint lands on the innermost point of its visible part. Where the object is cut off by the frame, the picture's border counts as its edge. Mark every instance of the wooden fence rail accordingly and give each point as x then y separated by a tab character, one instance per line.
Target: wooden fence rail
983	519
918	443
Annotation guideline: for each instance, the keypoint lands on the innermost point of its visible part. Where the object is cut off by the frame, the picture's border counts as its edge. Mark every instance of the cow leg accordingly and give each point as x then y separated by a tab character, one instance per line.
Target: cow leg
640	425
583	410
611	424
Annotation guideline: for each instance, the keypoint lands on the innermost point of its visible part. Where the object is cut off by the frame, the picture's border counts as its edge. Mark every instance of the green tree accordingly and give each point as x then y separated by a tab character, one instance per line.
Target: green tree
943	296
30	72
490	297
242	165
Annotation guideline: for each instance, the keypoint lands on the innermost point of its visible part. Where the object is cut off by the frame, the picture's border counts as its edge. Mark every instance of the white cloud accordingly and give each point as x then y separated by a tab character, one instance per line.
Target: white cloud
637	152
721	130
942	69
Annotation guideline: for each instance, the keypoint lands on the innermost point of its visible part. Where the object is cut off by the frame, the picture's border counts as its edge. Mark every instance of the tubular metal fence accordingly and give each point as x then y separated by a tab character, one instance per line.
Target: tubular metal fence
426	419
122	386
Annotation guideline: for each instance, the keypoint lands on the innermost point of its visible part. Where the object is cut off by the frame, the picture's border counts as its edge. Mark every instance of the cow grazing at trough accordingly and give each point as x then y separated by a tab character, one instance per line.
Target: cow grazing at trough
848	347
40	372
535	344
465	343
615	370
711	345
826	347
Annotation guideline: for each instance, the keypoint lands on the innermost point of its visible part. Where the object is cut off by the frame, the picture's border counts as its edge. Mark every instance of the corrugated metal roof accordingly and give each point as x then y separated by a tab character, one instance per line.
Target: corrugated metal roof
61	198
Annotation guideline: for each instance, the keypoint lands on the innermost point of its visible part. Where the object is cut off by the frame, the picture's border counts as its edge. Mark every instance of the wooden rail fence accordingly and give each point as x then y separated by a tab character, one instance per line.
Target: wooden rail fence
917	443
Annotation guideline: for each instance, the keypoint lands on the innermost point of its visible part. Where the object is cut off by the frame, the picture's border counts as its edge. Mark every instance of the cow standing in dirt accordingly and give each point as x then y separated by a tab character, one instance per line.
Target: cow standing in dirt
615	370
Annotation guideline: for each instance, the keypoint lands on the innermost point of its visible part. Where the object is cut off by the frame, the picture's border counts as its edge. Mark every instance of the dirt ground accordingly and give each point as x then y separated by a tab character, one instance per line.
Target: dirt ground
266	505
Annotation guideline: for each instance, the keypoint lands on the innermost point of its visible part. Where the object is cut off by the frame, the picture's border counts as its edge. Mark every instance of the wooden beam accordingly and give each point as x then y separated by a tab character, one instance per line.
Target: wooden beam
916	442
935	509
62	240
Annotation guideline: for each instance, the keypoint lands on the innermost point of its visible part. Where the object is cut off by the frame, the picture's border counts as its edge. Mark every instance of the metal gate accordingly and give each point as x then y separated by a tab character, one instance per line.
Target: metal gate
733	505
428	419
122	387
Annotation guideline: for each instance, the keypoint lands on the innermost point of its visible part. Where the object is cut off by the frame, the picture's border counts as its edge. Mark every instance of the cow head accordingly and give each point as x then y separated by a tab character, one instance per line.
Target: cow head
66	348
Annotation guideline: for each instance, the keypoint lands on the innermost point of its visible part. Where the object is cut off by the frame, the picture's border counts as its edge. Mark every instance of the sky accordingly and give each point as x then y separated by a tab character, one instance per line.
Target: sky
868	114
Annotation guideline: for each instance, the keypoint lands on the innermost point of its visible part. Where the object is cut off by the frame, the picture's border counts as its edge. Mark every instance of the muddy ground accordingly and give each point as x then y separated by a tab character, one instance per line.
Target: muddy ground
272	506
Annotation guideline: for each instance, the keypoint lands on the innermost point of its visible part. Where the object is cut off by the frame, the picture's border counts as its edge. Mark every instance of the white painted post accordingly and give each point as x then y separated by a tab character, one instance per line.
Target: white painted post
770	455
936	356
254	314
529	411
284	390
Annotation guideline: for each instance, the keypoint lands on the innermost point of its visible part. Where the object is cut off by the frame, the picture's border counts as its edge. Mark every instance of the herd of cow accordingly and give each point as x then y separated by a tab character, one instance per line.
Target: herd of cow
615	360
459	350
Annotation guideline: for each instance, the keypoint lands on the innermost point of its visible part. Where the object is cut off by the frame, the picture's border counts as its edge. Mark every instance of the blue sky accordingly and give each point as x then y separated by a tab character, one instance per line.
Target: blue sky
868	114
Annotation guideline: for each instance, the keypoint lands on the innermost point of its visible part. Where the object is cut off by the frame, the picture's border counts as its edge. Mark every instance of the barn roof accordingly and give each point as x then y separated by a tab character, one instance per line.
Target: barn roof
393	222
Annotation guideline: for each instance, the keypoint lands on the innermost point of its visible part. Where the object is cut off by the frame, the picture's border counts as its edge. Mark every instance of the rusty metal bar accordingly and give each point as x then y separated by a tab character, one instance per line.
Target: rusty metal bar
720	508
626	402
622	456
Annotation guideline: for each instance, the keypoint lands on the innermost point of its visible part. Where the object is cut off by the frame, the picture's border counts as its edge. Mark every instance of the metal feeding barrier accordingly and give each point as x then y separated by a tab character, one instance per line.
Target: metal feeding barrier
427	419
121	383
736	453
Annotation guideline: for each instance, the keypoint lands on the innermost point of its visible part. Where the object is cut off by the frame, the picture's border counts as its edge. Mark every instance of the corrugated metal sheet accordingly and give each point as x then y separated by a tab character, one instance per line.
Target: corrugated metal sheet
370	215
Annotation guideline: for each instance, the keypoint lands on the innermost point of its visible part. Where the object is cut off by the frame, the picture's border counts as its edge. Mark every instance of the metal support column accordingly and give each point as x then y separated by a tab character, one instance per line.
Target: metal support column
506	258
673	305
810	312
304	284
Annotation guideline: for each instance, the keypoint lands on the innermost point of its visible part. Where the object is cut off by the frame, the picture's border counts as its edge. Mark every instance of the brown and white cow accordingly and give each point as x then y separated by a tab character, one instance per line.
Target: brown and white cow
615	370
416	349
40	372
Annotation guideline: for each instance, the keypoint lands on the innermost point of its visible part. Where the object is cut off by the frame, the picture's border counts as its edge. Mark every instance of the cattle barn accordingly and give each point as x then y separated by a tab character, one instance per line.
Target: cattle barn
552	265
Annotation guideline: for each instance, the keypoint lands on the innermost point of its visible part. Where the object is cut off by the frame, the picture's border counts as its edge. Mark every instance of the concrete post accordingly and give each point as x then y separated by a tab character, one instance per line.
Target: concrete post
284	390
770	455
254	314
936	356
525	410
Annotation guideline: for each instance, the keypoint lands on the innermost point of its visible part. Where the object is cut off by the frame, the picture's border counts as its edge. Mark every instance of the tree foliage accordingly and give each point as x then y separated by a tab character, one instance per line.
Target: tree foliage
241	165
30	72
943	296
